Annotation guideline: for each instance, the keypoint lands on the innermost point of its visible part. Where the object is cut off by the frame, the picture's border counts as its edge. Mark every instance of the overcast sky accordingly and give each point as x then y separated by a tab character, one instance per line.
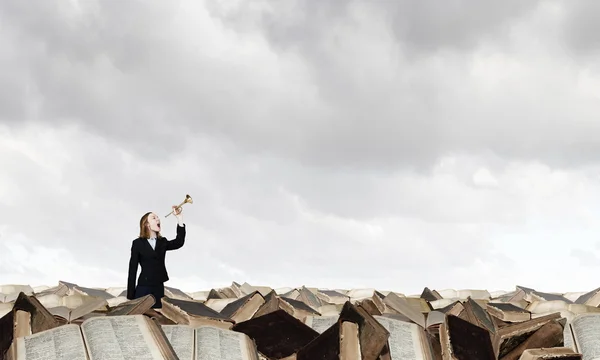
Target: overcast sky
337	144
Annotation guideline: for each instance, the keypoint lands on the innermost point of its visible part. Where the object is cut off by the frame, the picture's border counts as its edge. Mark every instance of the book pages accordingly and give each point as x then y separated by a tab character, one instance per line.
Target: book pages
119	338
213	343
586	329
321	323
181	338
64	342
404	340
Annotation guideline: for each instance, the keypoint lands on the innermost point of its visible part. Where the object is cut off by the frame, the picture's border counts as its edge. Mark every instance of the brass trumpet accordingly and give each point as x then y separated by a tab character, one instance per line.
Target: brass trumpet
188	199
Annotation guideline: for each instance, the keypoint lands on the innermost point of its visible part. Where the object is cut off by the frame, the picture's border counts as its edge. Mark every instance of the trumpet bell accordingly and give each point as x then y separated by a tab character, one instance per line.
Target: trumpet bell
188	200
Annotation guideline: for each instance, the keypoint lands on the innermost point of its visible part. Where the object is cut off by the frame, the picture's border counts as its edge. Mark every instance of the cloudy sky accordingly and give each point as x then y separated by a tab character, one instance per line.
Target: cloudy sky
338	144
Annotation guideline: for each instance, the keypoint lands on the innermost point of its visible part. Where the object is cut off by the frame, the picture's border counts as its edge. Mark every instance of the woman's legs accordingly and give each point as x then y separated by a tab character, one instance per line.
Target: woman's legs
158	291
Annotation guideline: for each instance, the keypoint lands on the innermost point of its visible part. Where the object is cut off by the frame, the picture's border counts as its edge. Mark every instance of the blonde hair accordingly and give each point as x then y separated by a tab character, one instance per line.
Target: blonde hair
144	229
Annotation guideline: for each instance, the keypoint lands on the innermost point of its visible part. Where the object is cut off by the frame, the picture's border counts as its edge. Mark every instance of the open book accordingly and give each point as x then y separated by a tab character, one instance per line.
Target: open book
407	341
582	334
107	338
66	315
207	342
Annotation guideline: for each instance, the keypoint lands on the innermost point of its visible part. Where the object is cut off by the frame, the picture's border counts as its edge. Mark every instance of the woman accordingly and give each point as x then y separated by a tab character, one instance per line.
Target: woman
149	251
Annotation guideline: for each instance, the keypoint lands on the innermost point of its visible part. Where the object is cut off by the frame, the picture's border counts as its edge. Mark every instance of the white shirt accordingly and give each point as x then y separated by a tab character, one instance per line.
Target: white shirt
152	242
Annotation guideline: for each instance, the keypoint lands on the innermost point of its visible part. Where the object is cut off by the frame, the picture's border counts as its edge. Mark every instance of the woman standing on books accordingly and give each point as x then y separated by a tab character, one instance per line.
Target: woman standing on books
149	251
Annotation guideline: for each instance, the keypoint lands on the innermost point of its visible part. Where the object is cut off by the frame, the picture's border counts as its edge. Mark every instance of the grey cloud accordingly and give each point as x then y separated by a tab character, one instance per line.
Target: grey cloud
422	26
304	143
154	79
83	33
581	28
419	113
455	25
243	214
366	196
75	64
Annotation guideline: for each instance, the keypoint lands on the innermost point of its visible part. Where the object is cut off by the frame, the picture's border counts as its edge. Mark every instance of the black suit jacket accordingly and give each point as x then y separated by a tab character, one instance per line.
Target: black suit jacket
152	261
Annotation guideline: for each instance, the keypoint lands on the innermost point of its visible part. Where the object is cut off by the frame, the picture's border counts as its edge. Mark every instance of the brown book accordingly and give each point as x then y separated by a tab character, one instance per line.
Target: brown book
69	285
402	306
60	290
370	306
277	334
500	323
381	295
332	297
193	313
549	335
433	322
477	315
350	348
309	298
508	312
436	346
296	308
99	337
509	337
272	303
158	317
301	309
212	342
430	295
246	288
175	293
39	319
385	353
556	353
93	307
419	304
243	308
132	307
14	324
95	293
292	294
324	347
463	340
450	309
236	288
375	305
456	308
229	293
538	295
372	337
339	342
218	304
214	294
407	340
7	329
518	295
591	298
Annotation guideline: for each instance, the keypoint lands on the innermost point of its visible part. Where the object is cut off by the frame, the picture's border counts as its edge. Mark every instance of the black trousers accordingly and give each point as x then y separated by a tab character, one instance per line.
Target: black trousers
158	291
